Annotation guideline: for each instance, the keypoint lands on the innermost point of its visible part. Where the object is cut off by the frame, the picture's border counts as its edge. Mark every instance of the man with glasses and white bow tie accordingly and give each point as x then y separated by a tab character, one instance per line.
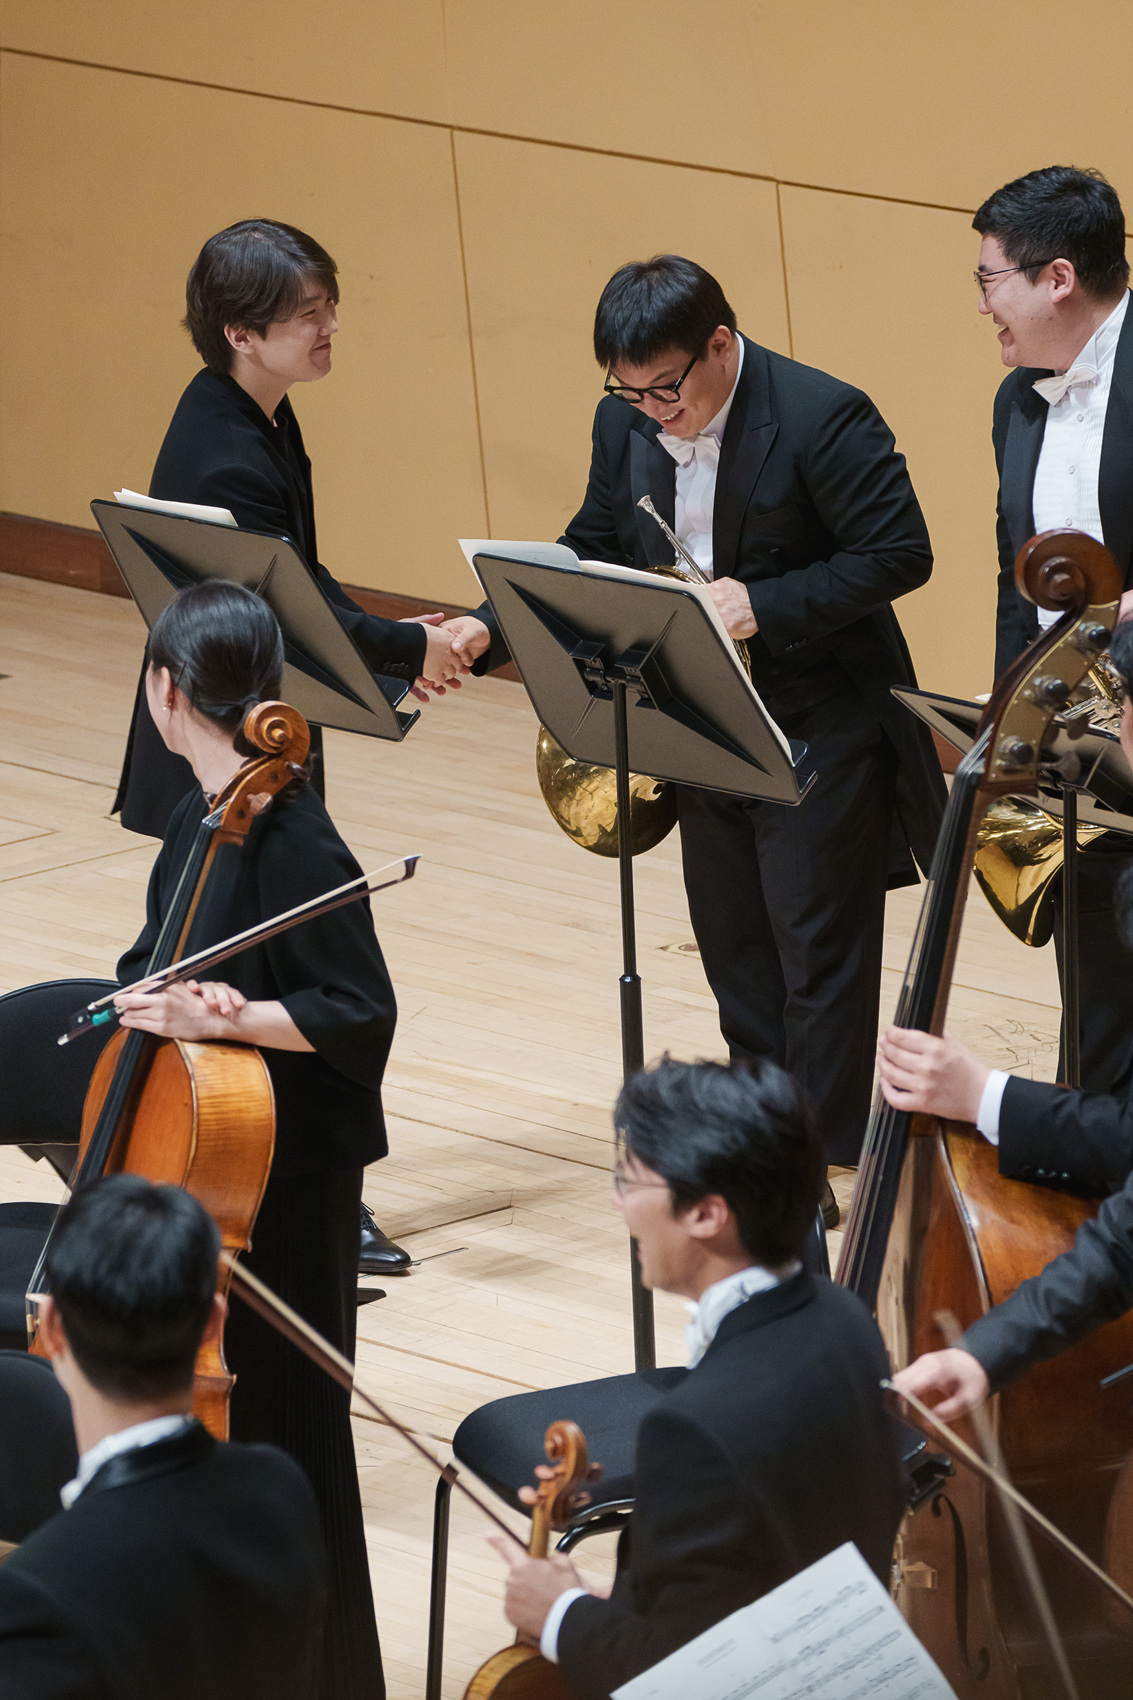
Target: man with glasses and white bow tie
1053	276
786	487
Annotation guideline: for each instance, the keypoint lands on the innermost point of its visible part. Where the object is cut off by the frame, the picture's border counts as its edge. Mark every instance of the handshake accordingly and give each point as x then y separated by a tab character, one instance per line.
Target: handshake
451	646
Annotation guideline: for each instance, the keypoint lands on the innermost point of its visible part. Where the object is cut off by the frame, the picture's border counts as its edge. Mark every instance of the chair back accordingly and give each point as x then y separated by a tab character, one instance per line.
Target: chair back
44	1084
37	1444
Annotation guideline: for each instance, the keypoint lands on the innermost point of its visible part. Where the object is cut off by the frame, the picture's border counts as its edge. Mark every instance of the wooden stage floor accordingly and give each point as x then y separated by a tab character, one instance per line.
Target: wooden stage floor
505	952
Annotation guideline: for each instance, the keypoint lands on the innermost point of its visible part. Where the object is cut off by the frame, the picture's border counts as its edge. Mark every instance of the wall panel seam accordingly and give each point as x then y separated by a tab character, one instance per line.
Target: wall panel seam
491	135
783	263
471	337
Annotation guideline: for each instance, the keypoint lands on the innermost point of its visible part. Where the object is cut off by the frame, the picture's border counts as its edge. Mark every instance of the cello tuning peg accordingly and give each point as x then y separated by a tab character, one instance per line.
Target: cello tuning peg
594	1473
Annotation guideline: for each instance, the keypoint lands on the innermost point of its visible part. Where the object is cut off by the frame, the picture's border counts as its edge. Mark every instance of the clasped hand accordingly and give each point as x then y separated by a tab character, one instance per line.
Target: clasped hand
189	1009
443	665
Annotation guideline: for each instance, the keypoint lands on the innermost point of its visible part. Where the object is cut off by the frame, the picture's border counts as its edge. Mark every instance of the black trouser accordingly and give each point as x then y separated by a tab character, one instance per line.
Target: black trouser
305	1245
1105	969
788	905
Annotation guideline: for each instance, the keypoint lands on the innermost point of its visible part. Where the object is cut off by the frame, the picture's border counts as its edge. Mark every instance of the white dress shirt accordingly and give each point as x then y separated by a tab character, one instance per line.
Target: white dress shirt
1066	478
706	1315
698	460
126	1440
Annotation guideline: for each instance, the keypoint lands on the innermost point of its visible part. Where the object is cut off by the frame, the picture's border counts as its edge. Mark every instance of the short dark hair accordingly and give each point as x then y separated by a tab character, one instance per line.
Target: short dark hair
740	1129
132	1268
654	305
1060	213
224	651
251	275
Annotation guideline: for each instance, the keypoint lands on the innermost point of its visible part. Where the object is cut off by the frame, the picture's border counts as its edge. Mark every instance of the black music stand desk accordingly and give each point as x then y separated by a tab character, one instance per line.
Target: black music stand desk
324	674
635	672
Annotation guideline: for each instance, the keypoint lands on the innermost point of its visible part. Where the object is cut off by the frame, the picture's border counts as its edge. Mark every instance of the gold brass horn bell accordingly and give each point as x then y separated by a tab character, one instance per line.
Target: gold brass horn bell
583	800
1018	857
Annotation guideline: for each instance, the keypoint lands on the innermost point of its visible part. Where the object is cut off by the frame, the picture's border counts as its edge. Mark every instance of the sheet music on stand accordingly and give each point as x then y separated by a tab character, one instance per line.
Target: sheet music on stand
830	1633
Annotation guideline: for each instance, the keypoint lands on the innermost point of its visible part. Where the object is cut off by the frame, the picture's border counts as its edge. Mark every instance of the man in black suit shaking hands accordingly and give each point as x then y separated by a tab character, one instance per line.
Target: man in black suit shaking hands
181	1567
775	1448
785	485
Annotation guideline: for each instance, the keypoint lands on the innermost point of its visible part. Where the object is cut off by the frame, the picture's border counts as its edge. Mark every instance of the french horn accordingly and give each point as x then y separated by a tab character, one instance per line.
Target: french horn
1019	848
581	796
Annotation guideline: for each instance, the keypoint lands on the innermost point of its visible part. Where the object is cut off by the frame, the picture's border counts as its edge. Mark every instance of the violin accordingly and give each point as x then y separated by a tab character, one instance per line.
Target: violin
935	1228
200	1115
520	1672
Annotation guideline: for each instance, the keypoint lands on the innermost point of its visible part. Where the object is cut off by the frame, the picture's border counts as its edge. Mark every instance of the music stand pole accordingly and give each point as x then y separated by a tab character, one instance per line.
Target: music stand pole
1071	1037
629	988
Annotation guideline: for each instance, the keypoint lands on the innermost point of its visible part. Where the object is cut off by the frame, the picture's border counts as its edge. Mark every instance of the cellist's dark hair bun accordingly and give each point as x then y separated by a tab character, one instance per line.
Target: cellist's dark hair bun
224	651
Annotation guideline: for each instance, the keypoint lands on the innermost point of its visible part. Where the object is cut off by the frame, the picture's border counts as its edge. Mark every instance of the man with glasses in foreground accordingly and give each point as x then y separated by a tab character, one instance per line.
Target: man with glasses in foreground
1052	275
776	1447
786	487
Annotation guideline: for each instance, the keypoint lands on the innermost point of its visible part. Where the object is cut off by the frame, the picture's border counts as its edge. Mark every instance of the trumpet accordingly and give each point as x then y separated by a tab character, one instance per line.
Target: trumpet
1019	846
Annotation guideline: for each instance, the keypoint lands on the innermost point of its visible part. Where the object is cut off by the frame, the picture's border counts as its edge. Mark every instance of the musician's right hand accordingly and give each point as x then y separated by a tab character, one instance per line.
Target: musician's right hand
470	637
442	666
953	1372
930	1076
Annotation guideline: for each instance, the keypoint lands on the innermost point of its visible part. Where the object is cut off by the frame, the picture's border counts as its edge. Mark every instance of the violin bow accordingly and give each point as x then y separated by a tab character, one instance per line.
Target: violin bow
293	1327
99	1012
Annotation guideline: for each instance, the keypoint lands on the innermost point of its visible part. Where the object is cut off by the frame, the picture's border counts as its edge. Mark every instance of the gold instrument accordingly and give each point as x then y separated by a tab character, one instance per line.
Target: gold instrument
1019	851
582	796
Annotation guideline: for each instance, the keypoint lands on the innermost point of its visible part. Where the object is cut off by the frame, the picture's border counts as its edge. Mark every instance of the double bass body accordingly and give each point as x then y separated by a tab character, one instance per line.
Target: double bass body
964	1238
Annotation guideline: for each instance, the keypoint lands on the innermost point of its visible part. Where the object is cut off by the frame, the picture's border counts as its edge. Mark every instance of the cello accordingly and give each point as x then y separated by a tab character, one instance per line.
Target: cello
934	1227
200	1115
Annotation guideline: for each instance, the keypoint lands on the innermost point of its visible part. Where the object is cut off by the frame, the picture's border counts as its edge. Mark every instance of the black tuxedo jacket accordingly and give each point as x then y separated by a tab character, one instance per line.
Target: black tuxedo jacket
1077	1141
223	451
816	515
187	1570
1018	423
774	1450
1090	1284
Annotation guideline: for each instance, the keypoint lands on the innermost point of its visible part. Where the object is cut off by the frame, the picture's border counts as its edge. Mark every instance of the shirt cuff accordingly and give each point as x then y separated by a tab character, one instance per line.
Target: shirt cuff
987	1116
549	1640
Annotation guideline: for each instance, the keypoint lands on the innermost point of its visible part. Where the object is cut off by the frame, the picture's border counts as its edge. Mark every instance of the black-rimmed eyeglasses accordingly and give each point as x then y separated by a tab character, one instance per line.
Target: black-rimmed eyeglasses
659	392
624	1183
984	278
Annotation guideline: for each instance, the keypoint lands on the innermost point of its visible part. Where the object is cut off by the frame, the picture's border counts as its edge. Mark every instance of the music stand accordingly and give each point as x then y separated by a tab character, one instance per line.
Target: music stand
324	674
1085	780
635	672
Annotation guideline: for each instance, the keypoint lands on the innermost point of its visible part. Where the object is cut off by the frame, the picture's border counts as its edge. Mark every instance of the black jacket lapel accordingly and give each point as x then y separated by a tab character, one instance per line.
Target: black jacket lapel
1115	473
748	437
652	473
1021	450
179	1452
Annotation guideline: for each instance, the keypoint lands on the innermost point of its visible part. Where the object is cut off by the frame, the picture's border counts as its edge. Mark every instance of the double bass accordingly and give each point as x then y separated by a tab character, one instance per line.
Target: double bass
935	1228
198	1114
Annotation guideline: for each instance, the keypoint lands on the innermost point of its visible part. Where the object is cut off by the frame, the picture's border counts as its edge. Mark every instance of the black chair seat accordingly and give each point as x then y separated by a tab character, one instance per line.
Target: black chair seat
23	1231
37	1442
44	1085
502	1442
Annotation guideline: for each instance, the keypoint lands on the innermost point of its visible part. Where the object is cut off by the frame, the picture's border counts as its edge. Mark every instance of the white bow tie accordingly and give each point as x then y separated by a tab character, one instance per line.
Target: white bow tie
682	449
1053	389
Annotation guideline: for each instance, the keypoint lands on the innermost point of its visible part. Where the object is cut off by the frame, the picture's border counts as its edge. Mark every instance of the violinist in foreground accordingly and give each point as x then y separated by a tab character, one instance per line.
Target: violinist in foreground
181	1567
1077	1140
318	1002
775	1448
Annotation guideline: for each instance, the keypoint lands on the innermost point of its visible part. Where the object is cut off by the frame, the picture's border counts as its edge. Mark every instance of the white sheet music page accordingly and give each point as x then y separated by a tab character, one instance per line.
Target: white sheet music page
830	1633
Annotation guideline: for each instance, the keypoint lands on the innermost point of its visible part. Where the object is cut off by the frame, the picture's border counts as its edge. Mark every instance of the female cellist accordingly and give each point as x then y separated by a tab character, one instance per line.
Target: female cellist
318	1003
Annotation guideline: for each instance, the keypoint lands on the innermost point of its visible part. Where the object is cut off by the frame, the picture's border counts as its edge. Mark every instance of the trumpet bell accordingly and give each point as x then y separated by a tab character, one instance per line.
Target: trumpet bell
583	800
1018	857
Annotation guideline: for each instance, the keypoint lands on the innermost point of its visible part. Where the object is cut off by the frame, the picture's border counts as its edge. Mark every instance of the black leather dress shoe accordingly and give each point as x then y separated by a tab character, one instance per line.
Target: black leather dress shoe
379	1254
831	1214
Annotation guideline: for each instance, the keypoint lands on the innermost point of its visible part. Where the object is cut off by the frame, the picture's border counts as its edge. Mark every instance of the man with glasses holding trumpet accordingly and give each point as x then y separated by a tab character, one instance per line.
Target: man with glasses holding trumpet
1052	275
784	485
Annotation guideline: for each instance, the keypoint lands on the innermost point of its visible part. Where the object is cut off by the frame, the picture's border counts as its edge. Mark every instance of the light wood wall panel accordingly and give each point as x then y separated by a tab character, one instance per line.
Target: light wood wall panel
936	102
120	179
882	295
534	281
